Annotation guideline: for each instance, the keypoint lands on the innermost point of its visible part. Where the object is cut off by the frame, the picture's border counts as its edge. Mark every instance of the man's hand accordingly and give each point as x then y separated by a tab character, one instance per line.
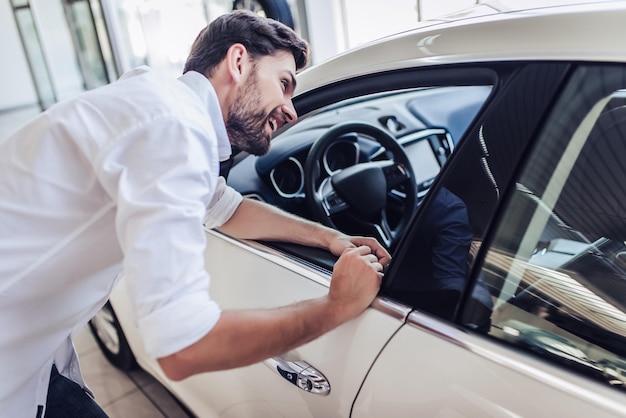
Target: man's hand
343	242
355	281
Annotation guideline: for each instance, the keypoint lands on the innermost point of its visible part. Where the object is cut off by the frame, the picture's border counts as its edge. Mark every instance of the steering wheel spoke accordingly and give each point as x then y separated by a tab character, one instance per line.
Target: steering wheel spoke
385	233
396	174
332	203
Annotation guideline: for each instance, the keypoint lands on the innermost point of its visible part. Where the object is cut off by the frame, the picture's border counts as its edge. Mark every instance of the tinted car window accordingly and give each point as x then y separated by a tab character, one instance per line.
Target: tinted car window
430	270
555	270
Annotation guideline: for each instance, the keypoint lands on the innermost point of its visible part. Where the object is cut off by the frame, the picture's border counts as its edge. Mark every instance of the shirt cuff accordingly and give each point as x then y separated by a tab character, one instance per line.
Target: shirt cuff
225	202
179	324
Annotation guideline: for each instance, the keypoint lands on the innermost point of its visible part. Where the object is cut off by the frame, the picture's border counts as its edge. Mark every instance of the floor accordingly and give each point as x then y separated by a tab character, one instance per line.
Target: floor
123	395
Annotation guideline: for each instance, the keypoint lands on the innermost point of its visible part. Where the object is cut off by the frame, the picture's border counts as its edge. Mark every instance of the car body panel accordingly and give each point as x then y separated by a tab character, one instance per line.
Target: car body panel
478	378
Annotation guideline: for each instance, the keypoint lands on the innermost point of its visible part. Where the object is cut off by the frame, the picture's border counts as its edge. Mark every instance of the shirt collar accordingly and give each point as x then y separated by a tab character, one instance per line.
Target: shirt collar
204	89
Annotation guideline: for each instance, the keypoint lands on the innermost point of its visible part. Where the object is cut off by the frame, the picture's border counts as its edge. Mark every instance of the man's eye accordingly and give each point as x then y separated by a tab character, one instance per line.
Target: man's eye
285	84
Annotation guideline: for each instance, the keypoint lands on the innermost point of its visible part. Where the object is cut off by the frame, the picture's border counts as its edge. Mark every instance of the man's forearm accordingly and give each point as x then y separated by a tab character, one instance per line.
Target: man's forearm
257	220
244	337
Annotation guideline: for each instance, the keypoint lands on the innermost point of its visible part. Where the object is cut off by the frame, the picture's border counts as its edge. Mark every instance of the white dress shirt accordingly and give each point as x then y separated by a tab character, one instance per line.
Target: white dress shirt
119	177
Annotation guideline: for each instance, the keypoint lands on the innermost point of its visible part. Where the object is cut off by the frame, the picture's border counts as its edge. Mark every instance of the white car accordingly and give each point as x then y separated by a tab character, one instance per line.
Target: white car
489	154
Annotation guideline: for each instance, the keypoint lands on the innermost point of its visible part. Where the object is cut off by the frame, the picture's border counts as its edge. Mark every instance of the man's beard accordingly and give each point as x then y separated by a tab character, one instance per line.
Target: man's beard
246	127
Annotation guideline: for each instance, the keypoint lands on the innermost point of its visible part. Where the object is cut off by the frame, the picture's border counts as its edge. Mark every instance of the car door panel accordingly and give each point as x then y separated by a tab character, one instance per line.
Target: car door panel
448	372
249	275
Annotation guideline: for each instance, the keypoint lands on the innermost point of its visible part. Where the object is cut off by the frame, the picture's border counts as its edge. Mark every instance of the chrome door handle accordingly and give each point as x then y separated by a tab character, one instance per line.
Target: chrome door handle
301	374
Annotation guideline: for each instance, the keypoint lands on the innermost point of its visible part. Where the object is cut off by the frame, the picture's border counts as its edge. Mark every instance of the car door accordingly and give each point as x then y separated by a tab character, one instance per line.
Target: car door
539	326
254	275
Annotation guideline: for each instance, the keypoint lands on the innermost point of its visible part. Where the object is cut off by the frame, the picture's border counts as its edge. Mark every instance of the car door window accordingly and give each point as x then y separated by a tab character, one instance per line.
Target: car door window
555	269
311	168
430	268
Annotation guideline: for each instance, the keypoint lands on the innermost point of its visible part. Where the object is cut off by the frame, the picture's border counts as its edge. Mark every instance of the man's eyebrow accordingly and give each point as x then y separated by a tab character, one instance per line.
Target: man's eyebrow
293	80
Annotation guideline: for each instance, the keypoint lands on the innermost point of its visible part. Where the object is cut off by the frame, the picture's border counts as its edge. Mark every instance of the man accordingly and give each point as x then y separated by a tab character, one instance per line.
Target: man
125	173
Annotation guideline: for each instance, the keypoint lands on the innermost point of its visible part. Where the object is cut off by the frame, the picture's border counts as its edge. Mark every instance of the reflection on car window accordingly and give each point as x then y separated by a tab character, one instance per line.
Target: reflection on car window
435	278
556	269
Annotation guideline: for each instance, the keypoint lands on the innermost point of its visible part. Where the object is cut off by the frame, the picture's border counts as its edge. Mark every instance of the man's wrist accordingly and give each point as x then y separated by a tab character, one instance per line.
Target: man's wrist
331	237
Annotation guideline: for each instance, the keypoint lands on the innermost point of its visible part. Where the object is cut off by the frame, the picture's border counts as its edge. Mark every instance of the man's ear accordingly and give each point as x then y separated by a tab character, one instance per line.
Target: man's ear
236	60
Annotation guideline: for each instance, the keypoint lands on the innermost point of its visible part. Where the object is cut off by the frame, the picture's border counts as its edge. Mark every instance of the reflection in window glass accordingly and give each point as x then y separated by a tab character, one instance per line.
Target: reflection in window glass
432	278
556	270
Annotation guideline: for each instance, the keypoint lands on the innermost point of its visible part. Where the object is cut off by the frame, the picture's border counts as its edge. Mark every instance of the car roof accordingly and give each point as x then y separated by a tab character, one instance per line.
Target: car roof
580	32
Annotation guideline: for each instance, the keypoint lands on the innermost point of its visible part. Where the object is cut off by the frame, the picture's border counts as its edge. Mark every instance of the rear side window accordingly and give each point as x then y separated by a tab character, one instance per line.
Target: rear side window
556	267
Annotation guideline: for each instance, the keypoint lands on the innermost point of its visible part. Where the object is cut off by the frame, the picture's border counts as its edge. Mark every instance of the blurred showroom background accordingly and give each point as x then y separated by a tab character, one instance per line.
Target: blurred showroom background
55	49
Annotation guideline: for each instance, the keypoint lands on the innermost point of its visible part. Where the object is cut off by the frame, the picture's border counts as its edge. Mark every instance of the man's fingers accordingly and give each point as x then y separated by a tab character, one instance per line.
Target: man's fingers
374	247
371	258
367	254
374	261
364	249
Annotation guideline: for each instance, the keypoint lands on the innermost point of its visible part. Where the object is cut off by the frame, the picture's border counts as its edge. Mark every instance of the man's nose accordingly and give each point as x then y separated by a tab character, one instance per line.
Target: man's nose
290	112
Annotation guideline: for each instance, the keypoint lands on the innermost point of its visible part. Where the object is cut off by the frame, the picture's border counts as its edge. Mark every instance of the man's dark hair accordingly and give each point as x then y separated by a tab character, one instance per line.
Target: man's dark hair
261	36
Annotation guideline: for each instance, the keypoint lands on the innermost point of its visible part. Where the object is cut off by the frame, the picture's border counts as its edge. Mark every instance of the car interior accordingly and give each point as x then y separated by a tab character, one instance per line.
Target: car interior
362	165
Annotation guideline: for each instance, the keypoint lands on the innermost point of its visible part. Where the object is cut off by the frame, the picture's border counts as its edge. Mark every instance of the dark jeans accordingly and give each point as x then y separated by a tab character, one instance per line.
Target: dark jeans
67	399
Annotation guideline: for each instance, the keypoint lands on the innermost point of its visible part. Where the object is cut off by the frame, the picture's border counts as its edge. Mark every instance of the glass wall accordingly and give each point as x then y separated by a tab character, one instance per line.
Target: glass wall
54	53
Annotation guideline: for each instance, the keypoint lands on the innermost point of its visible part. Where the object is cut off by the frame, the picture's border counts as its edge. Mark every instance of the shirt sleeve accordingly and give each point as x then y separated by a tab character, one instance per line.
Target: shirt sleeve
225	202
163	176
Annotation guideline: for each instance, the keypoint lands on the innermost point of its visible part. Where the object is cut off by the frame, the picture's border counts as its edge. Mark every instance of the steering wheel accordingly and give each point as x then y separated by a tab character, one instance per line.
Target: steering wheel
361	193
